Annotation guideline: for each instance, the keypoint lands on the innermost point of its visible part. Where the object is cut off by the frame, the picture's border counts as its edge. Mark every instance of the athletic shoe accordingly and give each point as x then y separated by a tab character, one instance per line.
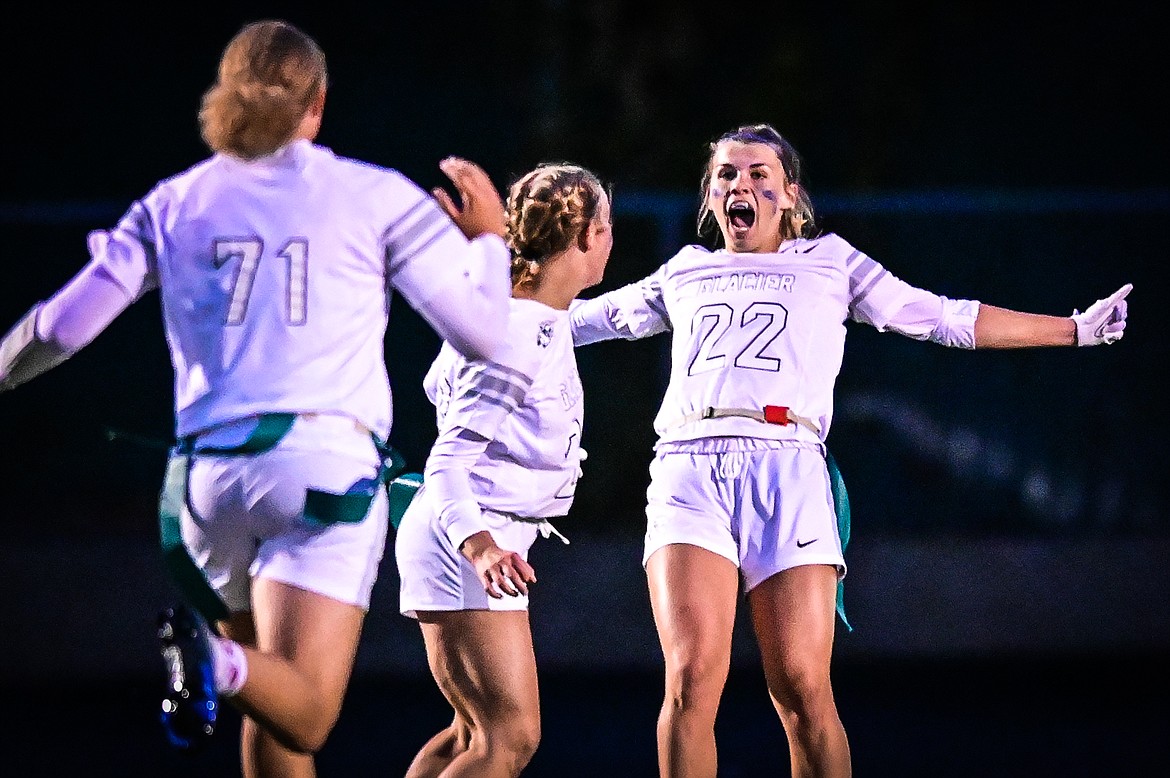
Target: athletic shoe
190	704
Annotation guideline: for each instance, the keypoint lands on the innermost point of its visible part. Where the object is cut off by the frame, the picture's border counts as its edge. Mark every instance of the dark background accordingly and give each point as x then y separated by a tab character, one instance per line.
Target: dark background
1009	154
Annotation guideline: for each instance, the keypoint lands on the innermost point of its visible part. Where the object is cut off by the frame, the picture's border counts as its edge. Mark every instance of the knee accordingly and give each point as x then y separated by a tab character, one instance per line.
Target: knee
522	738
695	682
310	736
801	691
509	744
304	738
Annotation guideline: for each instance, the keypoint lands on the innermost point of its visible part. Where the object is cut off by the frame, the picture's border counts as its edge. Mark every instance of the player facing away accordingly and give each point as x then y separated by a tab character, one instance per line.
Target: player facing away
275	260
505	461
739	486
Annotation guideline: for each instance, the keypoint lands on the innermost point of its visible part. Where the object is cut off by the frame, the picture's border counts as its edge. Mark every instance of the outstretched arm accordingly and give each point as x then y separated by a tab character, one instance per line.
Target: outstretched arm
24	354
1004	328
633	311
1102	322
879	298
56	329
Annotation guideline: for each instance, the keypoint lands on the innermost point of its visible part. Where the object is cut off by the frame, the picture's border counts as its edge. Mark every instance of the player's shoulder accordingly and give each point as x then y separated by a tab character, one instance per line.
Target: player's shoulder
447	358
828	244
690	253
532	322
176	185
687	257
370	191
362	174
533	328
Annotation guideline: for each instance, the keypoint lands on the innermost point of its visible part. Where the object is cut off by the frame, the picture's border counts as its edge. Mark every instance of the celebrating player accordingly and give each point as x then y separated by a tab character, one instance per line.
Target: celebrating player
274	259
739	484
505	462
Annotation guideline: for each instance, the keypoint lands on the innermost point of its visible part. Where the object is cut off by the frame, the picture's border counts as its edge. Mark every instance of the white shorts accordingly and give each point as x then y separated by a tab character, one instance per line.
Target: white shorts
245	515
436	577
766	510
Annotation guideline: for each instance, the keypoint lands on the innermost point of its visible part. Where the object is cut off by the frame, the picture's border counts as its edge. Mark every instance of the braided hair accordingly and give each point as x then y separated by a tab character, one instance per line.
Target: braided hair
548	209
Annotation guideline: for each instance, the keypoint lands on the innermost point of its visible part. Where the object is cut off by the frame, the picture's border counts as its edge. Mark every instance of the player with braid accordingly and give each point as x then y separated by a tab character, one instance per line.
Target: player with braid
275	260
740	491
505	461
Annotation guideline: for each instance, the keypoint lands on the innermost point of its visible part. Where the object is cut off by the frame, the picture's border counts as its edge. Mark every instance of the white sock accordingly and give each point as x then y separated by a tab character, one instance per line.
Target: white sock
231	665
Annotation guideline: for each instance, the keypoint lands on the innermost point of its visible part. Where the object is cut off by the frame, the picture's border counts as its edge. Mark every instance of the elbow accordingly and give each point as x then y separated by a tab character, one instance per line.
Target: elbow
482	344
483	337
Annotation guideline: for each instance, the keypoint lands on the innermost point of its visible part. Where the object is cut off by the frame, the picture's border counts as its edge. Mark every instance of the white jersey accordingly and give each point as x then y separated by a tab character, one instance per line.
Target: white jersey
527	404
275	277
752	330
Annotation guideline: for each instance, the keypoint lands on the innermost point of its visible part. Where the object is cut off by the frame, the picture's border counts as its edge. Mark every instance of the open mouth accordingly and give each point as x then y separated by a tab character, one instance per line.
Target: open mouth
741	215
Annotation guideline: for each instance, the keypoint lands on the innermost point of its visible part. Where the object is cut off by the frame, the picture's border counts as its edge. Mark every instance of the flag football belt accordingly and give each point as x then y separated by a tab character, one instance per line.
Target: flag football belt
321	508
771	414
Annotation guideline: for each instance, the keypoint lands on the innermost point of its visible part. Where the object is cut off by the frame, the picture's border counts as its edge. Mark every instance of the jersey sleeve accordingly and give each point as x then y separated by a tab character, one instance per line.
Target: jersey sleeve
448	468
484	393
460	287
881	299
634	311
122	268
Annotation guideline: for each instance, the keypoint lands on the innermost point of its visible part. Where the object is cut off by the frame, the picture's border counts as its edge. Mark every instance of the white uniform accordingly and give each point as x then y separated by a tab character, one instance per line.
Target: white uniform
506	457
750	331
275	277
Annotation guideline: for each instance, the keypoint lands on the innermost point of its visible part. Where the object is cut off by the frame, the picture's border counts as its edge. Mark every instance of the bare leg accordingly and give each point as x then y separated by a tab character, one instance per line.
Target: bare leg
438	752
693	593
242	630
485	666
299	666
793	615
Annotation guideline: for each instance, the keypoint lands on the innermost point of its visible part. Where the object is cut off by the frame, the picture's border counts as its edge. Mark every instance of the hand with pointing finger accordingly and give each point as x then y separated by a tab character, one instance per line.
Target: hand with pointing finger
1104	320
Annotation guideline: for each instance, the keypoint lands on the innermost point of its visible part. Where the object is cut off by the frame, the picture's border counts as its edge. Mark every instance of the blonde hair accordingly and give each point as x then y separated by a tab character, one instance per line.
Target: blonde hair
269	75
548	208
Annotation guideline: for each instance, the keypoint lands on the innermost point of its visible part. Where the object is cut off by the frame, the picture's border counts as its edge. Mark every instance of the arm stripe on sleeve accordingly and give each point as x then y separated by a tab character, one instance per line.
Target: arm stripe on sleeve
658	308
651	289
508	404
420	248
421	225
496	384
505	372
500	387
864	276
409	234
388	233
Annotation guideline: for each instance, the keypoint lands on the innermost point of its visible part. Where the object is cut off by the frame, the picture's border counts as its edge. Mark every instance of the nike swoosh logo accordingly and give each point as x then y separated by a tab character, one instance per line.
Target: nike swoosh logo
800	544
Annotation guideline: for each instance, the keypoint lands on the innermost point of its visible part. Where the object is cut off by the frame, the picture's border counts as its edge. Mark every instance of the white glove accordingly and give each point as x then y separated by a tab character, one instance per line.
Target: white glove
1103	321
582	455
